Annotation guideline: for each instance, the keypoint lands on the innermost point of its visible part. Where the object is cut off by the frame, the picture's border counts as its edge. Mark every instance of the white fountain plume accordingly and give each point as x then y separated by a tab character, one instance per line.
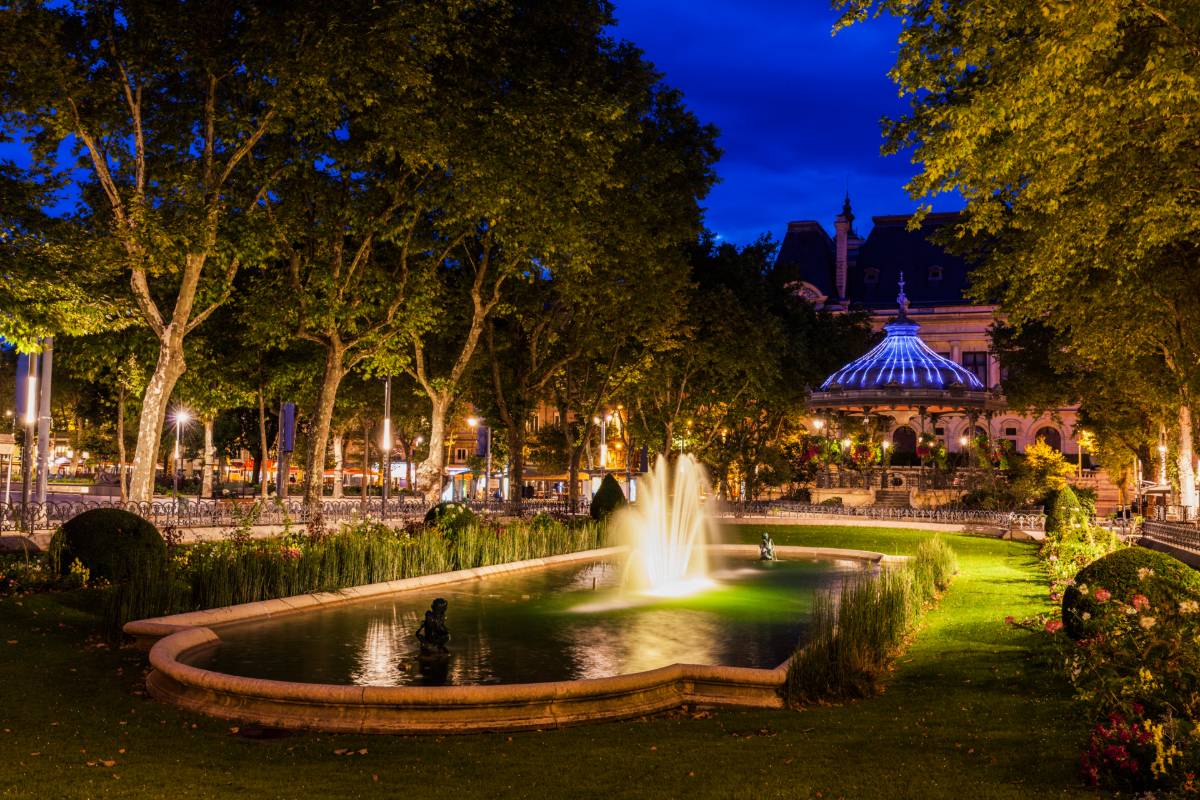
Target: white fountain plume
666	530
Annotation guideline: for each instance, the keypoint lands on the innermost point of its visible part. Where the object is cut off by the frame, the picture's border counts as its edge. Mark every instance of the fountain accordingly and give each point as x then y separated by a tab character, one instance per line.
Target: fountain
667	531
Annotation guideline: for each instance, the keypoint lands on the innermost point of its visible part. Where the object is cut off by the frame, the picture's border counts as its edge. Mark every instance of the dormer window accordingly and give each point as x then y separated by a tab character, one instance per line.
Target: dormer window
935	272
870	276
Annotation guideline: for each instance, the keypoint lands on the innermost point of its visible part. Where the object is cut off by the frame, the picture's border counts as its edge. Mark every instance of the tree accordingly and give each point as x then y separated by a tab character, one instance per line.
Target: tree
530	163
167	109
1071	136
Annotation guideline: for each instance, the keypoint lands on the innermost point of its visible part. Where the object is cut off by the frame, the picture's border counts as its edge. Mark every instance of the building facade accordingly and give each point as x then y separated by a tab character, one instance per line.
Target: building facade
845	272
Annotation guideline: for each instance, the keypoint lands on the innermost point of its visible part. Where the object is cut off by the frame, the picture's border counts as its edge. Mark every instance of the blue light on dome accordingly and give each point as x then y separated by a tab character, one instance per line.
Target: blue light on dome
903	360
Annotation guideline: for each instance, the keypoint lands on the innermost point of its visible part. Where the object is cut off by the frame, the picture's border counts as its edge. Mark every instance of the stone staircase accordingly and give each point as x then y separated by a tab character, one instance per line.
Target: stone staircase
892	498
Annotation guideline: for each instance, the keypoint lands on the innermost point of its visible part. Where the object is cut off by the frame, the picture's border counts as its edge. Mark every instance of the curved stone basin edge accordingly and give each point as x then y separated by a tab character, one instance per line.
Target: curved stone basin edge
443	709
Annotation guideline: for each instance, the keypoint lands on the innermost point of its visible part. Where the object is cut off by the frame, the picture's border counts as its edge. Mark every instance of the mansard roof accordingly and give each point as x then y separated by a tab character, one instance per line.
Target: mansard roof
807	254
892	249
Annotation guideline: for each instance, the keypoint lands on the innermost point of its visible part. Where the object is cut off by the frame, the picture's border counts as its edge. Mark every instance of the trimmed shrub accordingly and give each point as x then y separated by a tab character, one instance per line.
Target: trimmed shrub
109	542
831	501
608	498
1161	579
1064	512
449	515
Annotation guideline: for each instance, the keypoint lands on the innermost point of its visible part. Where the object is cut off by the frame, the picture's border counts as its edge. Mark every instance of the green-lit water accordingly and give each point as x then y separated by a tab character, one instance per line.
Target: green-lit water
541	625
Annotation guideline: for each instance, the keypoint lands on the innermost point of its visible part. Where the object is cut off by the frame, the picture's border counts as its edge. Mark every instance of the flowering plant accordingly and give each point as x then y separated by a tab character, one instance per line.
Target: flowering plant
1139	672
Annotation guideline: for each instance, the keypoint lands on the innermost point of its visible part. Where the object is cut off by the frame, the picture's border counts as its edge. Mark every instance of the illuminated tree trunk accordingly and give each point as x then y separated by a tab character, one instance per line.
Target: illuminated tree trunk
206	477
339	465
1186	456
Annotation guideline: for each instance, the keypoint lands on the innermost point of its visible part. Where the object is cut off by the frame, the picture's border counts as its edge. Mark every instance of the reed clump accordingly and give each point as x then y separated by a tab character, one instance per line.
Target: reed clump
858	629
236	570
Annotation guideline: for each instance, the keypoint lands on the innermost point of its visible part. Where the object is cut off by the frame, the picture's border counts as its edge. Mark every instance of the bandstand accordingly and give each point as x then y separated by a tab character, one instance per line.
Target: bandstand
902	390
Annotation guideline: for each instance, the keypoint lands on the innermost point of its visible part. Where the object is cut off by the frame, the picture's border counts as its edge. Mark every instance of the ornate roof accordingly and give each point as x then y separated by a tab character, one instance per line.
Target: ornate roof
901	371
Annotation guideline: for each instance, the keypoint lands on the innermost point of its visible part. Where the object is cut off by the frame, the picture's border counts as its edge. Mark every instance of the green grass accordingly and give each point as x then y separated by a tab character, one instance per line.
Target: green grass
967	713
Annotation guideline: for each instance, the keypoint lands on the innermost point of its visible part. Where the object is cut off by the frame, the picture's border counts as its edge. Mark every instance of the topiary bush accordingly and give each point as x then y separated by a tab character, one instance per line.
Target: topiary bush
109	542
450	516
1122	575
608	498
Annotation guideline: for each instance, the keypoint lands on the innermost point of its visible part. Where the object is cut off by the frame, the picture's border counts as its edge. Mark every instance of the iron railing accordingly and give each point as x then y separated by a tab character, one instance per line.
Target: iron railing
193	513
1176	534
1020	520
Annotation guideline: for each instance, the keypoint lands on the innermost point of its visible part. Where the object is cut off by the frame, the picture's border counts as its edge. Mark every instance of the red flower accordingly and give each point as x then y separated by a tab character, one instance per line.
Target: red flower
1140	602
1102	595
1053	626
1009	620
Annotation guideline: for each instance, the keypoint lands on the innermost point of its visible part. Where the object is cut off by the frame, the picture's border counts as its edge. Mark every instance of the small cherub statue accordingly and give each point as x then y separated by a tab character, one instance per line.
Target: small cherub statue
432	633
766	548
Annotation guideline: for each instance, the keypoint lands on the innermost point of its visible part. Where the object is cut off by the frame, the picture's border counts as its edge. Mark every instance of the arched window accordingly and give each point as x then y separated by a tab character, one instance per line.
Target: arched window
1052	437
904	440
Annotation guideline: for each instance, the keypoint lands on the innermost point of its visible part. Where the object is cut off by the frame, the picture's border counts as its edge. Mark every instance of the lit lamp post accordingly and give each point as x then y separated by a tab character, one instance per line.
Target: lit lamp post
8	473
385	446
963	443
181	418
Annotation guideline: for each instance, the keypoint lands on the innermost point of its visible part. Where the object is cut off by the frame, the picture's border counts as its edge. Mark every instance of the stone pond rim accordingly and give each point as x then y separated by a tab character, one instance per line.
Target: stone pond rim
443	709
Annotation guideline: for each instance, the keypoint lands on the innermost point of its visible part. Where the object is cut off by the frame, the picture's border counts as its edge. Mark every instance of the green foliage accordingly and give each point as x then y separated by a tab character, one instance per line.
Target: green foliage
107	542
1164	580
242	571
1073	540
450	515
1136	670
1066	514
608	498
854	636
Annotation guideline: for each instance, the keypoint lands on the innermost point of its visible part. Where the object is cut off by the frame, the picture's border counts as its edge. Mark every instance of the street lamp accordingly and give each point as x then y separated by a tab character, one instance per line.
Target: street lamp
8	412
385	446
181	418
818	424
475	422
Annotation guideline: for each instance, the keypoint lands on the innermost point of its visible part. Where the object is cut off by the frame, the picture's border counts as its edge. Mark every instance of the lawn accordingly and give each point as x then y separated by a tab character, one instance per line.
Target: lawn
967	713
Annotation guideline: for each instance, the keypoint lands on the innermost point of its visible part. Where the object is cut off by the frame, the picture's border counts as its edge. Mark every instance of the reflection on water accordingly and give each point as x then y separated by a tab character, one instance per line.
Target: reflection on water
554	624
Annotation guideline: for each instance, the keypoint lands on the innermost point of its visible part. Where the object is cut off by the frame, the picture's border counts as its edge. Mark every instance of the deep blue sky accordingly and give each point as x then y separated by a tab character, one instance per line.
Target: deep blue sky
798	108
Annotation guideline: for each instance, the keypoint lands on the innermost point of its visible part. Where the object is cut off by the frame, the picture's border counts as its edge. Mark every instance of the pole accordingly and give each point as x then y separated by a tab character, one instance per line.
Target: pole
43	461
178	461
28	418
387	444
604	445
487	472
8	474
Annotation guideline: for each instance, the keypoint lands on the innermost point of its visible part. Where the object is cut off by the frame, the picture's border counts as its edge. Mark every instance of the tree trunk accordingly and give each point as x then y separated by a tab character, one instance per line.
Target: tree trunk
121	444
318	440
167	370
206	480
516	464
431	474
1186	456
263	445
573	479
339	465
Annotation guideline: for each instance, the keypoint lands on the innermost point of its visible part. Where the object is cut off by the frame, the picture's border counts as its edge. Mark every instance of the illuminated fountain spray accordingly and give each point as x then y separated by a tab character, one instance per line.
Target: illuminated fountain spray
667	530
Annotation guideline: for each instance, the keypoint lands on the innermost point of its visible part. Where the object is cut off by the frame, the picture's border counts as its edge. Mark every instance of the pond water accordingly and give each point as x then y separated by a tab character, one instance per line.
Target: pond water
558	623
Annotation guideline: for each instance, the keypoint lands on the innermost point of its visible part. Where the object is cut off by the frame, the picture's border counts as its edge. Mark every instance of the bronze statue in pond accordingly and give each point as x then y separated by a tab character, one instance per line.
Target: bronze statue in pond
432	633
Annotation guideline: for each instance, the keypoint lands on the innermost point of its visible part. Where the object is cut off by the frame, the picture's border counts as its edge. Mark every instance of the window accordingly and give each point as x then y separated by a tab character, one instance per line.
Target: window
460	455
531	424
935	272
1010	431
870	276
939	431
976	361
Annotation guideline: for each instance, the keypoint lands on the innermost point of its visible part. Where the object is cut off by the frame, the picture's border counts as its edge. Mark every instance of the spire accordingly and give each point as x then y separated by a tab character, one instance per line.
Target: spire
902	300
846	212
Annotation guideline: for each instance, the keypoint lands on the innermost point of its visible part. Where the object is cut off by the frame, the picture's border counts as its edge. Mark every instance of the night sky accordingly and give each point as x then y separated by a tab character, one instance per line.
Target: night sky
798	108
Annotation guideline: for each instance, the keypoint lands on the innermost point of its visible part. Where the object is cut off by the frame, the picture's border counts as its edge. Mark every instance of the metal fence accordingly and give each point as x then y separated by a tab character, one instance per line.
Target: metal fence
784	508
193	513
1180	535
